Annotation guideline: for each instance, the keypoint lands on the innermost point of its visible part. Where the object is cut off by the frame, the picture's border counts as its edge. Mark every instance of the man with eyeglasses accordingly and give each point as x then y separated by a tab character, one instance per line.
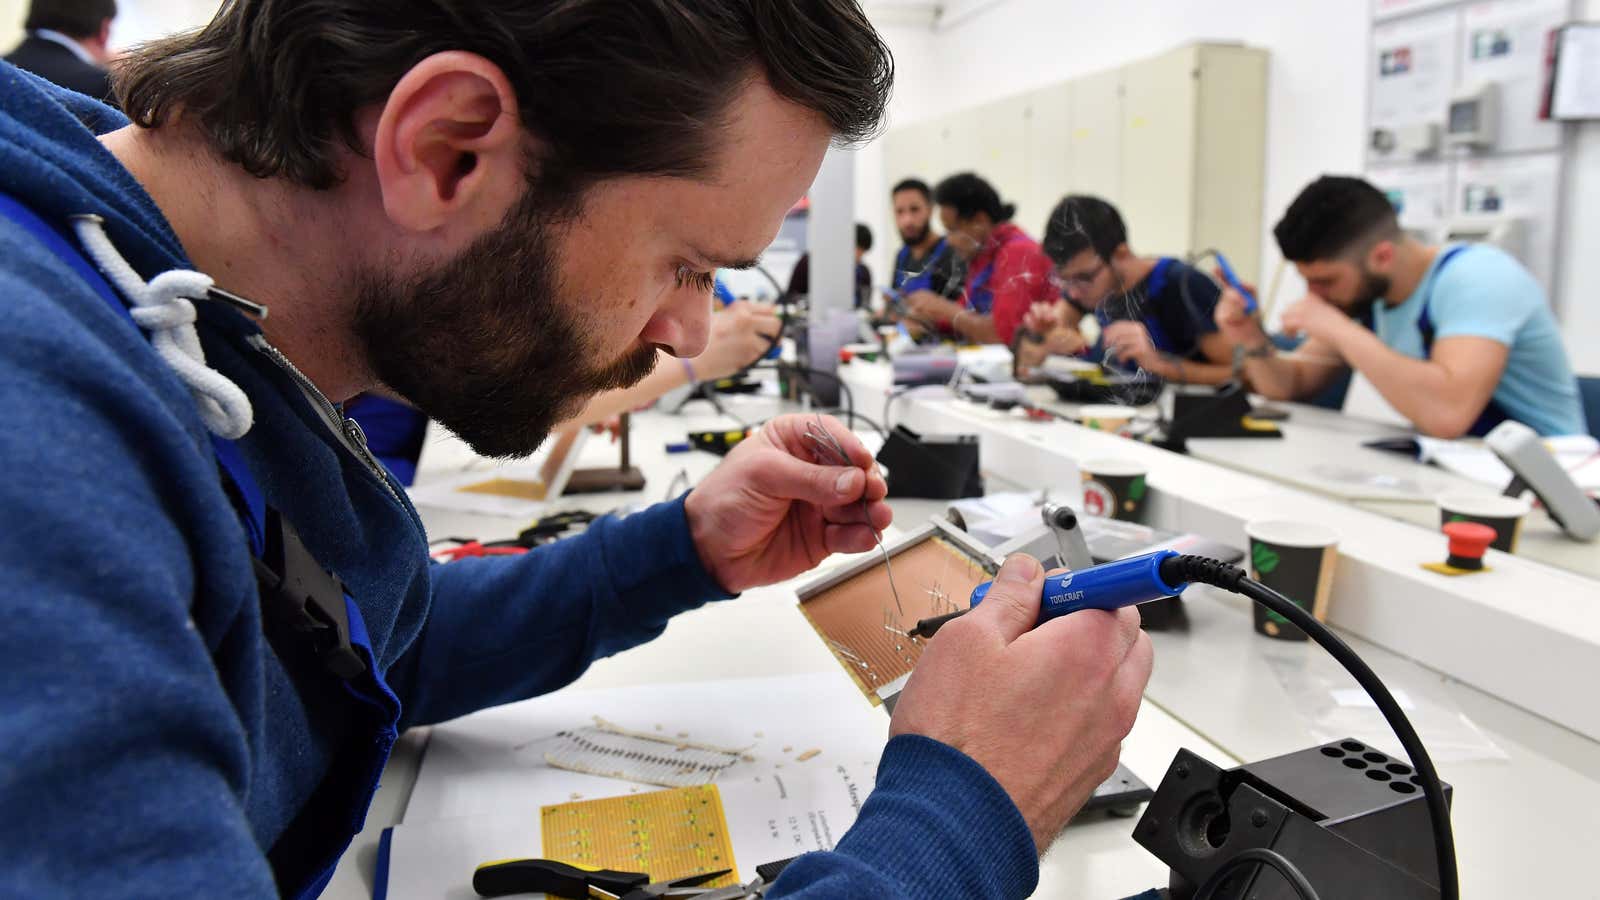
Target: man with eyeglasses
1155	313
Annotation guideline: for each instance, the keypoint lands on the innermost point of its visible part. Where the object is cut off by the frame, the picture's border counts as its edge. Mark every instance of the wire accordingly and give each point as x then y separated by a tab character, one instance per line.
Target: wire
1209	571
844	391
1264	857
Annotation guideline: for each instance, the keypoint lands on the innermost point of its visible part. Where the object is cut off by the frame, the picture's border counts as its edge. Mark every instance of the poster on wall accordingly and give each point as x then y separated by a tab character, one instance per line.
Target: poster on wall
1421	195
1504	43
1412	73
1513	201
1390	9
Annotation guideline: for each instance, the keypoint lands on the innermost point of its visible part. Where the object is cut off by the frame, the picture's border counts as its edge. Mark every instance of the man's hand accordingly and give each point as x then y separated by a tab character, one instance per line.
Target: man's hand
1030	353
778	505
1043	318
1315	317
1130	342
931	307
1238	326
740	335
1044	709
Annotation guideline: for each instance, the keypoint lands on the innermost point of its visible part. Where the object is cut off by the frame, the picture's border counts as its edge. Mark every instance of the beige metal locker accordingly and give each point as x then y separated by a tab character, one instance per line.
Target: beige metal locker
1177	142
1096	161
1159	102
1048	152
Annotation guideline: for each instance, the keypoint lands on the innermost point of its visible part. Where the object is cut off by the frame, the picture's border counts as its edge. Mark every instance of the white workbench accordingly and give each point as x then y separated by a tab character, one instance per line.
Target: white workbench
763	634
1524	823
1324	452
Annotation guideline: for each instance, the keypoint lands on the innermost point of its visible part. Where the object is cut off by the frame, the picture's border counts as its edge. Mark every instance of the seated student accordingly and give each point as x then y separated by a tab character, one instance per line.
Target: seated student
1462	340
800	278
921	246
1006	272
1155	313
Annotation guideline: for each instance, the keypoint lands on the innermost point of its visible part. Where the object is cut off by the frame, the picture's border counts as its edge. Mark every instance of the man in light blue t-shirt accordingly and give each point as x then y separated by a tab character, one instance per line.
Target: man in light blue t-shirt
1463	340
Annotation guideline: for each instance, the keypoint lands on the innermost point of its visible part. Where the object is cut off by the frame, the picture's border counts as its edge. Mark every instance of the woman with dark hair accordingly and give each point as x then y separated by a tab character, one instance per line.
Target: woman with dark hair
1006	271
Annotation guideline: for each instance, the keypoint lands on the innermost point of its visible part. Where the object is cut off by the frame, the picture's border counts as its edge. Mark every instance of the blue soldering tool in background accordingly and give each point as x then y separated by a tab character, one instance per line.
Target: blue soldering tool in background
1228	275
1112	585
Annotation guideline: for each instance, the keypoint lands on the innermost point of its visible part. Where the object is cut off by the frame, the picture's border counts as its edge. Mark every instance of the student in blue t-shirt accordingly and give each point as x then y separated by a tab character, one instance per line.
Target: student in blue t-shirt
1463	338
1155	313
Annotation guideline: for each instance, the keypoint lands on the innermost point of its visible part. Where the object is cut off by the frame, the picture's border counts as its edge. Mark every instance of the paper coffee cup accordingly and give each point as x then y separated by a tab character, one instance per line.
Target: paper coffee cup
1106	417
1114	489
1296	559
1503	514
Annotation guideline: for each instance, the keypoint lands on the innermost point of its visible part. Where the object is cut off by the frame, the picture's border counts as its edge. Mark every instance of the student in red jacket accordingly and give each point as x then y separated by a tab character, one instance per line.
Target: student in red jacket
1006	271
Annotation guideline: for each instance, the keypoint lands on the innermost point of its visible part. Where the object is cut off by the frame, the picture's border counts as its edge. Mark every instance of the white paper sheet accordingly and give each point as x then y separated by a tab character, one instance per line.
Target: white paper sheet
1505	42
1577	87
1579	455
770	817
1412	71
490	762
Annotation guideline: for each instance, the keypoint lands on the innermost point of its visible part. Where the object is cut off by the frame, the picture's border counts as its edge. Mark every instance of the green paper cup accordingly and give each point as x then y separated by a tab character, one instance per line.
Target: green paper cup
1114	489
1296	559
1106	417
1503	514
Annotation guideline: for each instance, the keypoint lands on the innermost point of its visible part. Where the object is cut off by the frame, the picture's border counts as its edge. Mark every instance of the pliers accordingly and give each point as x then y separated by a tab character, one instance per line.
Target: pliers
559	879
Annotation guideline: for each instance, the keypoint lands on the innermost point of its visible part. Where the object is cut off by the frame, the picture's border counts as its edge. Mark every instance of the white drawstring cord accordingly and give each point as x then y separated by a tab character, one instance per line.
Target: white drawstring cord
163	307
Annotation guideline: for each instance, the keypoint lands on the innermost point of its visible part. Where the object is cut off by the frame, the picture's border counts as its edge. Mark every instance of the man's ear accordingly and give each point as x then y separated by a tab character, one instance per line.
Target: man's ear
446	137
1381	257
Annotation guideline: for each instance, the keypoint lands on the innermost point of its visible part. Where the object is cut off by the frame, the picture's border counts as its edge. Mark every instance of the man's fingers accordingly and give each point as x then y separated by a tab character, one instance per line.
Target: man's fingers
1011	607
849	538
795	427
1127	686
878	515
1100	640
779	474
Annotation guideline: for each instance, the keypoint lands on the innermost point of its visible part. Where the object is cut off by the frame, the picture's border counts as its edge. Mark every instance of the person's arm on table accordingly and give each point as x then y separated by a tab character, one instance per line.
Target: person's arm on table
1000	737
1442	395
507	628
1130	341
1313	367
740	335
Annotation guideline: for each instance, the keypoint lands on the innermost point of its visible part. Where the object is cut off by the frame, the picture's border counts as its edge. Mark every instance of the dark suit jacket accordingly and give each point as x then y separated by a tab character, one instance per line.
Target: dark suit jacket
55	63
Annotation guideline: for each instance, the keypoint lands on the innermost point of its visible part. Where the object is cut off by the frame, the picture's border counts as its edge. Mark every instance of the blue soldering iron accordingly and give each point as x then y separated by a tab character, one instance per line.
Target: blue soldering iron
1112	585
1250	305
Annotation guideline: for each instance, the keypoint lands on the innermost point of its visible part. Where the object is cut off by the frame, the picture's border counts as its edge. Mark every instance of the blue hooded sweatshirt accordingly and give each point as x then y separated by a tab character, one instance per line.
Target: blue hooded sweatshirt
157	743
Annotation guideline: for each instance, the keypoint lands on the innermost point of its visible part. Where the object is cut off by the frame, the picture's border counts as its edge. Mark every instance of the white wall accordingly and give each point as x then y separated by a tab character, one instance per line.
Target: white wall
1316	107
917	94
1578	289
12	12
142	20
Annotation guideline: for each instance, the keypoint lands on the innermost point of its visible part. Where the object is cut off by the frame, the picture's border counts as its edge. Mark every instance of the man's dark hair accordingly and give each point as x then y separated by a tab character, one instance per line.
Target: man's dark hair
1080	222
863	237
73	18
970	195
611	87
1334	217
914	184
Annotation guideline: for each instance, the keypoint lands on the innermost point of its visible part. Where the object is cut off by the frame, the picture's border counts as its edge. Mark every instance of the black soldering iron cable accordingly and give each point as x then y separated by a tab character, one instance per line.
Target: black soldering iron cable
1264	857
1201	570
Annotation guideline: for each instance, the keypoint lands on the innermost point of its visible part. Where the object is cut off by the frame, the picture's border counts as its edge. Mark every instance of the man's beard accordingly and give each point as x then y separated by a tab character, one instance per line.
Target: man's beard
485	344
1373	288
915	238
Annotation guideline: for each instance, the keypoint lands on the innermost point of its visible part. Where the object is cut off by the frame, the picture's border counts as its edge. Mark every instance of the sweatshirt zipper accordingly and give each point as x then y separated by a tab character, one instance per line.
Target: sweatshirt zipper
347	429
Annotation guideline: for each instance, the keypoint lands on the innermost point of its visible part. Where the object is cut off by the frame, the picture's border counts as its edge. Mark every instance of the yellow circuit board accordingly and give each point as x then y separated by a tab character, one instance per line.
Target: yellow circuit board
665	834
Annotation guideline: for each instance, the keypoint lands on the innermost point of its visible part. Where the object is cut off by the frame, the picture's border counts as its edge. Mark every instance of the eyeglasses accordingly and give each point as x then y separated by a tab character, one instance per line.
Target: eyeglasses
1082	280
